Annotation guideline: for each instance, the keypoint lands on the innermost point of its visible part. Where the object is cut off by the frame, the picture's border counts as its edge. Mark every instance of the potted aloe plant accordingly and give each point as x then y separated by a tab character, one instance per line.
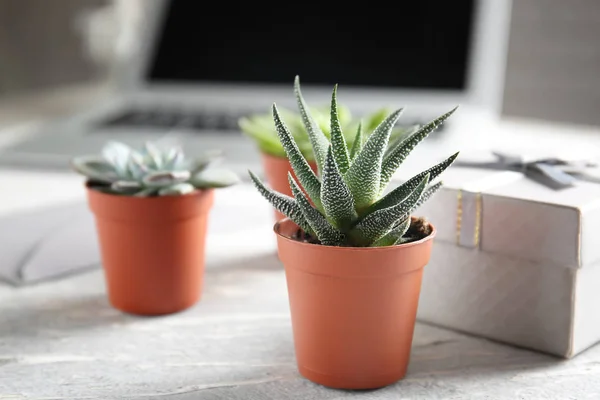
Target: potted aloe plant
151	207
353	256
260	128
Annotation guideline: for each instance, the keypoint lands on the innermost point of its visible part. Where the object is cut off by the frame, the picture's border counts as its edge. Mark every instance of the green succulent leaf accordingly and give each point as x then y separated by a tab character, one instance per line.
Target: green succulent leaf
338	141
214	178
95	168
405	189
430	191
147	192
117	154
176	189
317	137
153	154
363	177
402	150
357	142
301	168
165	178
394	234
126	186
325	232
282	203
398	136
375	225
336	198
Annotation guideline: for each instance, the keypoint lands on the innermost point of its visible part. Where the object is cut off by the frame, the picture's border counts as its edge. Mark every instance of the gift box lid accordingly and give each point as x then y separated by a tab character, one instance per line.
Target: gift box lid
508	213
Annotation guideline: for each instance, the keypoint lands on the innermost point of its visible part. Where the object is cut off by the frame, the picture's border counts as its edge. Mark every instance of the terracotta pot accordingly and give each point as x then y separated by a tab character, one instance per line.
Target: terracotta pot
152	249
353	310
276	170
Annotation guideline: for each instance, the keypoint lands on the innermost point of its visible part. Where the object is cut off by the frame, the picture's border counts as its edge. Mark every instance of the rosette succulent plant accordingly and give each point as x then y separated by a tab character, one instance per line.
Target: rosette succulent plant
259	127
152	170
344	203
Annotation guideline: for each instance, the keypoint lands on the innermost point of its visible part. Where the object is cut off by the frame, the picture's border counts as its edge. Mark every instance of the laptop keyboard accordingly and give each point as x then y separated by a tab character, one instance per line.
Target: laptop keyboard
163	118
196	120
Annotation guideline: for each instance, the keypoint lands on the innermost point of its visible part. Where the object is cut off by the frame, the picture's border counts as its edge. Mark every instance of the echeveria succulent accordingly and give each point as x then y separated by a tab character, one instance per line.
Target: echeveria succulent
152	170
344	204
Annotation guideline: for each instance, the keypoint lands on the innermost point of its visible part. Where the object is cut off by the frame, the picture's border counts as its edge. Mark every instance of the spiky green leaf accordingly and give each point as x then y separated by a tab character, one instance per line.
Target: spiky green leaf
318	139
398	136
325	232
401	151
358	142
282	203
375	225
430	191
405	189
338	141
305	174
337	200
394	234
363	177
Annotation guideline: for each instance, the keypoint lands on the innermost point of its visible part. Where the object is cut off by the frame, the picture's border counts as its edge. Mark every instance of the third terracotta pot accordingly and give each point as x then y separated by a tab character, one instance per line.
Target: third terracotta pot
353	310
276	171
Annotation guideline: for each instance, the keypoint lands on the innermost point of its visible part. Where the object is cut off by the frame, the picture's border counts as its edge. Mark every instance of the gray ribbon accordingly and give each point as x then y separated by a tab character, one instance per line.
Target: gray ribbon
554	173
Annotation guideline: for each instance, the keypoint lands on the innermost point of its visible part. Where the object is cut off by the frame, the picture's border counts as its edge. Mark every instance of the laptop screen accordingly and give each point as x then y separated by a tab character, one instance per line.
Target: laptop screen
419	45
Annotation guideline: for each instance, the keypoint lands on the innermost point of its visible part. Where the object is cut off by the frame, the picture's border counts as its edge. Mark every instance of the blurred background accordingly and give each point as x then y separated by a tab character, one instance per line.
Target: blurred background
534	60
552	67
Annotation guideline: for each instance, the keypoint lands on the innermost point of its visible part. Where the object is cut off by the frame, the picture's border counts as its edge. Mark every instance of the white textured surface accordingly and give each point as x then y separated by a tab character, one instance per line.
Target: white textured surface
62	340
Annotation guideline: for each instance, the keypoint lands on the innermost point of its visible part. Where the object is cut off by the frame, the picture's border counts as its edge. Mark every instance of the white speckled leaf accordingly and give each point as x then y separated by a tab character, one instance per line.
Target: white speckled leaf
402	191
305	174
282	203
338	141
358	142
394	235
337	200
317	138
364	175
377	224
430	191
325	232
398	154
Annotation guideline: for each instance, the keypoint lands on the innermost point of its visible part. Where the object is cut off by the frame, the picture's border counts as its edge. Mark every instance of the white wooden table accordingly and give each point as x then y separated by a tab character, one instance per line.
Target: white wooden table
62	340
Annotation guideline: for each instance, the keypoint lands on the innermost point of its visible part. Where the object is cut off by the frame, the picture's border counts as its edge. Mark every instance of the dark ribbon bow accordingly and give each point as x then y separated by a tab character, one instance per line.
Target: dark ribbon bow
554	173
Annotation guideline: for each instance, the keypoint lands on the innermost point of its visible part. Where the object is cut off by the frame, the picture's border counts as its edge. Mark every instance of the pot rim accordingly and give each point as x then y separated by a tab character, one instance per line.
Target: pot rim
197	191
429	237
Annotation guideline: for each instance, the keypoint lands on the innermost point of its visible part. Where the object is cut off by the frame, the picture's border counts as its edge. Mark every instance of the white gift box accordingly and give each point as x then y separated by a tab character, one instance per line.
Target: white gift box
514	260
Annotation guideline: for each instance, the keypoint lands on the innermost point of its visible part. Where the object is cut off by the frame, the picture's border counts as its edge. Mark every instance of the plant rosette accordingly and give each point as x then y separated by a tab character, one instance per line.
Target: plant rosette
353	252
261	130
151	207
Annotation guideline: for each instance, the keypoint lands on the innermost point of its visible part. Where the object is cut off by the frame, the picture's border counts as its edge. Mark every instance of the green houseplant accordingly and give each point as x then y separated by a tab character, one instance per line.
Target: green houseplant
353	255
151	207
260	129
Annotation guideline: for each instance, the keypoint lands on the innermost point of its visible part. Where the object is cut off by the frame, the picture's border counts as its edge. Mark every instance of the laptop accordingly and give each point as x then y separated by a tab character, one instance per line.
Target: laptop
195	73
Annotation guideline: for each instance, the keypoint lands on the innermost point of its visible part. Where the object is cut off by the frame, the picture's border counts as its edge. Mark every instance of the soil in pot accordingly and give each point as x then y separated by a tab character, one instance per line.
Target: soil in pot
152	249
353	310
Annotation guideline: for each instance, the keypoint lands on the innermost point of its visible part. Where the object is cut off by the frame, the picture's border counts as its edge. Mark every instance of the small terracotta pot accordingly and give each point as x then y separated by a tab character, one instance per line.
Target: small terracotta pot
276	170
152	249
353	310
